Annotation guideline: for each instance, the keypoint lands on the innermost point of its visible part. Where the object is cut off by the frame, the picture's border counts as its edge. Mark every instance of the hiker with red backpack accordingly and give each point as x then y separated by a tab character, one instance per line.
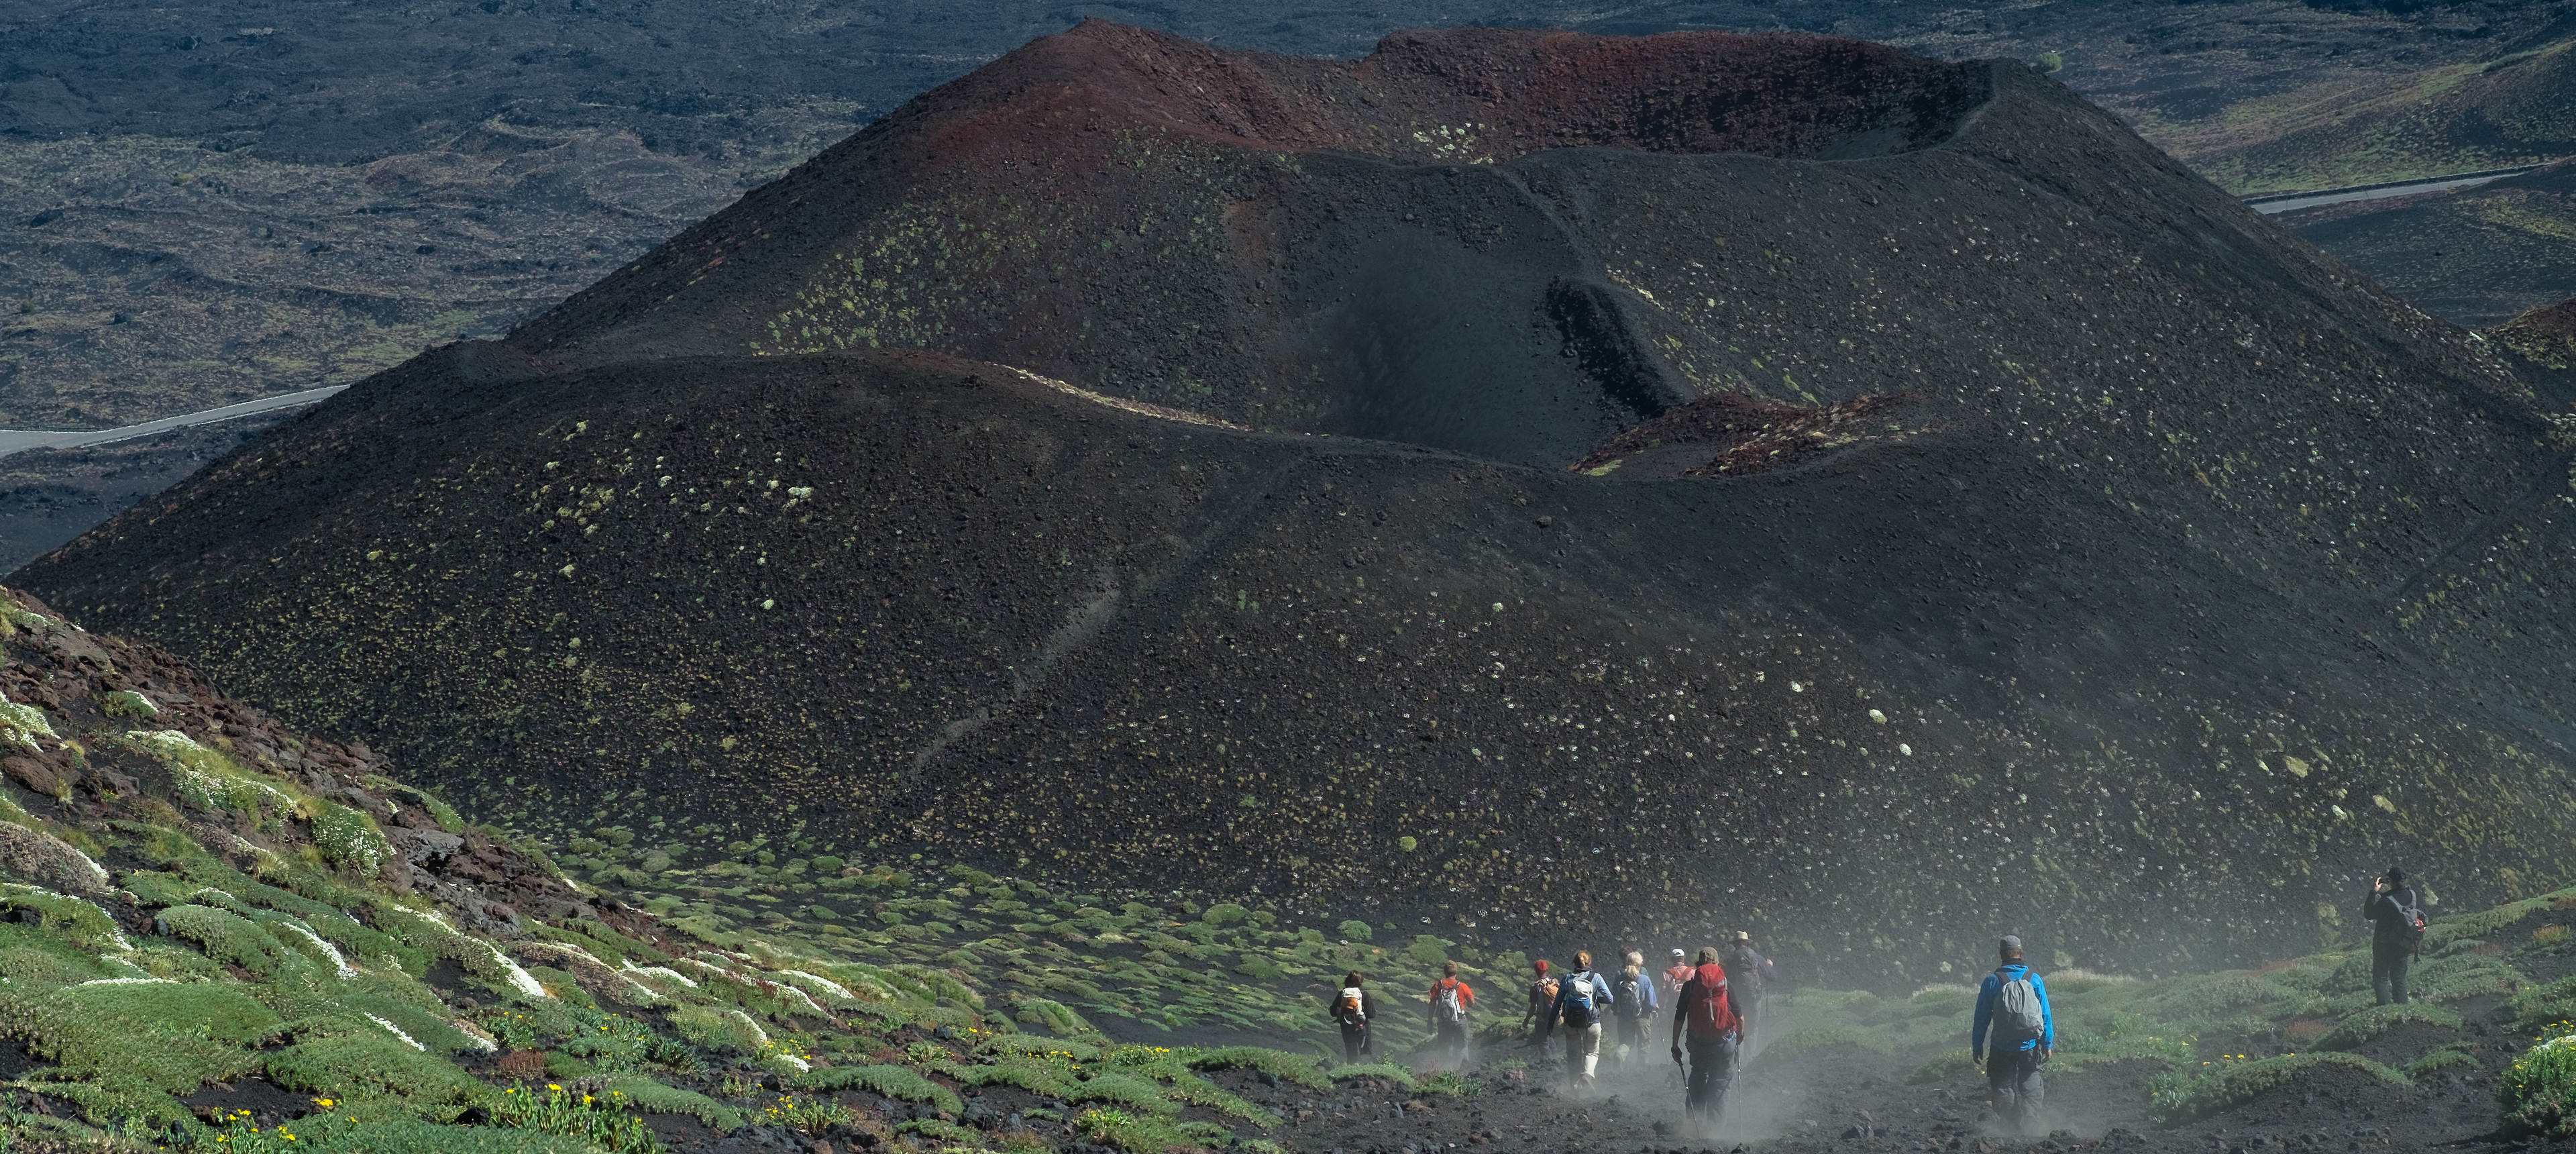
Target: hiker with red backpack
2013	1004
1541	1015
1704	1021
1582	1000
2396	920
1352	1012
1450	1001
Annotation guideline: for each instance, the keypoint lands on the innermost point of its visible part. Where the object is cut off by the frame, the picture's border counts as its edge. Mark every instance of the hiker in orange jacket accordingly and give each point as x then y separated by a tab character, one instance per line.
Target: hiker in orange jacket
1450	1001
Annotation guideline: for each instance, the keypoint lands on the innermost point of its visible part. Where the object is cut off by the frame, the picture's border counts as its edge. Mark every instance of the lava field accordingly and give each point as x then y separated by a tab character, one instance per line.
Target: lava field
1348	483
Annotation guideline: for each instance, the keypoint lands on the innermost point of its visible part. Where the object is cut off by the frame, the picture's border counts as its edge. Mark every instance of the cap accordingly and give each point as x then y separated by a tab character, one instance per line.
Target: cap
1680	954
1743	936
1541	964
2011	942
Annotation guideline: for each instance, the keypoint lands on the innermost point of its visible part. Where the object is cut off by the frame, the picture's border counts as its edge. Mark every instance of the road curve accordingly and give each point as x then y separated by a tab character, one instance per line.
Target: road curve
2288	201
15	440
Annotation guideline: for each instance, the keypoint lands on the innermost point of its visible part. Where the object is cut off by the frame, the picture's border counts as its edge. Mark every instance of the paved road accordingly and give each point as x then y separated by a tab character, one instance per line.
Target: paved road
2284	202
14	440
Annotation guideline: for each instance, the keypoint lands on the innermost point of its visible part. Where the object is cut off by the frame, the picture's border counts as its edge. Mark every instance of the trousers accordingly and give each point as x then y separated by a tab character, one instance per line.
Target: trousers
2013	1075
2388	972
1582	1051
1712	1069
1354	1041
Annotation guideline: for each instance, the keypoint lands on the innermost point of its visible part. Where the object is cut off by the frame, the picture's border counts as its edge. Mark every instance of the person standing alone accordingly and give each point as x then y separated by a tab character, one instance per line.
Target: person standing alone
2396	928
1704	1019
2014	1005
1450	1001
1581	999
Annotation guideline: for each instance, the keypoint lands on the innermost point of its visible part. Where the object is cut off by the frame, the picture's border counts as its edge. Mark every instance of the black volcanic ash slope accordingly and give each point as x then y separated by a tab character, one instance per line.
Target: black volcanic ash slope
2119	553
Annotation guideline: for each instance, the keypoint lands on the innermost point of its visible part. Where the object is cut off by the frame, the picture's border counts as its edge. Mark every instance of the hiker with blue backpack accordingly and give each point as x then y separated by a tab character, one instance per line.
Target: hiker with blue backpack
2396	918
1581	1000
1632	1000
2013	1004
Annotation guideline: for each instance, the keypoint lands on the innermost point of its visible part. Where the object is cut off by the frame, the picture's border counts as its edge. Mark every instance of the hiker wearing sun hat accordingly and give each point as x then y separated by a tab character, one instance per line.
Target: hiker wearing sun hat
2015	1004
1750	972
1677	974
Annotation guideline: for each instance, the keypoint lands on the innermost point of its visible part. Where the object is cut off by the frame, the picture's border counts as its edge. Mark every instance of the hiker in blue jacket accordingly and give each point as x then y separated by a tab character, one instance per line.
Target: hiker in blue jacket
2015	1005
1582	999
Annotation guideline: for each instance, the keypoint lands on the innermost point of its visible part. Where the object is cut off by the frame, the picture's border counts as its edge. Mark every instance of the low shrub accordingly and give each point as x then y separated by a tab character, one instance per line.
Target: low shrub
2365	1025
1451	1083
1387	1070
599	1120
2541	1005
2455	1054
2179	1096
653	1097
1121	1130
897	1082
2538	1092
1300	1069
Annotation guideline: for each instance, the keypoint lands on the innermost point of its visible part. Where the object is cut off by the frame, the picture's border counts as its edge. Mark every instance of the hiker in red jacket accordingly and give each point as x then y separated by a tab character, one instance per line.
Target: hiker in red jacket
1705	1020
1450	1001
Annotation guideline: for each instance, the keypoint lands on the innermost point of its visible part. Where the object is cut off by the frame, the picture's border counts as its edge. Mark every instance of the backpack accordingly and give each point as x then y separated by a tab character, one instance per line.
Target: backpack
1715	1013
1630	1003
2414	916
1351	1009
1545	988
1578	1001
2018	1014
1446	1007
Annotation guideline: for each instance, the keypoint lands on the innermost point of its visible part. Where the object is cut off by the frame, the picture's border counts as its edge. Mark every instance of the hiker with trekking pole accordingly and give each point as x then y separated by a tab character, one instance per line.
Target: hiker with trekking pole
1704	1021
2013	1004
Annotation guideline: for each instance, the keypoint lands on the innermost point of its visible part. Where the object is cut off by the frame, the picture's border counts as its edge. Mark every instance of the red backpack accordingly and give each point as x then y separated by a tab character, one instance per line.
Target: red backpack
1712	1013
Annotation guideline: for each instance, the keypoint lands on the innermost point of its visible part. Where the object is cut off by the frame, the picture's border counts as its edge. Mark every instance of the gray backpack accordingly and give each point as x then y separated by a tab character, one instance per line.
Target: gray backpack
2018	1016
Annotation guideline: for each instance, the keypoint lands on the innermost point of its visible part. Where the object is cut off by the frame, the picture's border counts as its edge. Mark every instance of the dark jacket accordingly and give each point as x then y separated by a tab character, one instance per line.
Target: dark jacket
1750	971
1333	1007
2386	913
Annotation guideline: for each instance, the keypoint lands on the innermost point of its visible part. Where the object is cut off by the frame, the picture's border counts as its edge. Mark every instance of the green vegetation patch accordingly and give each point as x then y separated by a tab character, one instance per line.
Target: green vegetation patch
2179	1096
2365	1025
2538	1092
900	1083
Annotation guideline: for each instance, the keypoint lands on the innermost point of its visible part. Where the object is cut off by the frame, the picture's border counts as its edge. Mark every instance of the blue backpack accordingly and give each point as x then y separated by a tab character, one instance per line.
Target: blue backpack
1578	1000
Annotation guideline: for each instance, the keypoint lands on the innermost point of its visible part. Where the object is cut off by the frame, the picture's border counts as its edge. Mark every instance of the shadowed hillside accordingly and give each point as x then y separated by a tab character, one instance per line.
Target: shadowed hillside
1977	513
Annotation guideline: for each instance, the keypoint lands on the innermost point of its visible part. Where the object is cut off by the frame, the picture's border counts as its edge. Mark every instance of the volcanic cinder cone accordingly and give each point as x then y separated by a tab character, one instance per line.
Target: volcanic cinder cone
1550	484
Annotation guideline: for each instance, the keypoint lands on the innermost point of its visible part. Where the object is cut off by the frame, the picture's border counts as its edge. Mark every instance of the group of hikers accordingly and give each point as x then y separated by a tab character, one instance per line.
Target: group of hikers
2012	1036
1712	1018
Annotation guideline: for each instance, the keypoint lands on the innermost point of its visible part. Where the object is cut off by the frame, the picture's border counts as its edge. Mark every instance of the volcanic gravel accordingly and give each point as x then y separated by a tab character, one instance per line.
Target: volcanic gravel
2178	569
